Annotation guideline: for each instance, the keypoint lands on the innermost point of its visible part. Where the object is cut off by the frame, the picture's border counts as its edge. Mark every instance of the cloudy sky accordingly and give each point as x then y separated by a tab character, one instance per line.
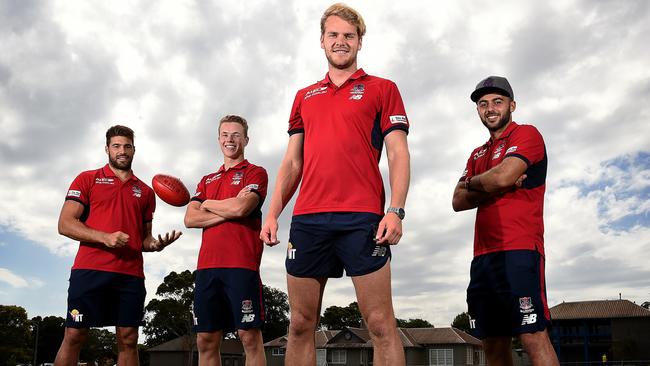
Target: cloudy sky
170	69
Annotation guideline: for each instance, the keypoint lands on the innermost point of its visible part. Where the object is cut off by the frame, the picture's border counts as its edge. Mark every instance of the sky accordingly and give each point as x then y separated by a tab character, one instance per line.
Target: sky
171	69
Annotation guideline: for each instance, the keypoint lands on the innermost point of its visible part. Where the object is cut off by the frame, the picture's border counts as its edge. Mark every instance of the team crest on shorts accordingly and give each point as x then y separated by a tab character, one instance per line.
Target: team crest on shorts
525	305
247	306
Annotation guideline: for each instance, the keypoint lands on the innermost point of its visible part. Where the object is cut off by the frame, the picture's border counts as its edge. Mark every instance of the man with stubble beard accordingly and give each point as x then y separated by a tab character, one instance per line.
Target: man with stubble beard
110	212
505	179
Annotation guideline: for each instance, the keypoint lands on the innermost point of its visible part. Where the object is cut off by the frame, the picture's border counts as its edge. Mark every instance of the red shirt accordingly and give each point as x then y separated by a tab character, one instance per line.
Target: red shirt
112	205
514	220
344	131
234	243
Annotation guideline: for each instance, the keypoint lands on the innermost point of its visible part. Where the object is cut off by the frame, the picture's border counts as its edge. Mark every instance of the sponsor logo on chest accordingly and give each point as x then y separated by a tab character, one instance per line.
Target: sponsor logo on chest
316	91
213	178
356	92
480	153
104	181
137	192
497	151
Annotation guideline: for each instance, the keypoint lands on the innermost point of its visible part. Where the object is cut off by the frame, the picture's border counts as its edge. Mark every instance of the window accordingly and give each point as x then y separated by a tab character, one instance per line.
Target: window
441	357
278	352
337	356
481	357
469	355
321	357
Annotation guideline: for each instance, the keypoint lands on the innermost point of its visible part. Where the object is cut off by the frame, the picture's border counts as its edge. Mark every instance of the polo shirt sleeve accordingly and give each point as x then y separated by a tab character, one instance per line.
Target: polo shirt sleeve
80	189
295	118
527	144
469	167
393	114
199	194
258	180
150	208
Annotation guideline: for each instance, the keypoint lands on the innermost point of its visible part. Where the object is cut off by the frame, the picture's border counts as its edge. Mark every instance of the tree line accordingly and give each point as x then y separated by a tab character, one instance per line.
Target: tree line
168	316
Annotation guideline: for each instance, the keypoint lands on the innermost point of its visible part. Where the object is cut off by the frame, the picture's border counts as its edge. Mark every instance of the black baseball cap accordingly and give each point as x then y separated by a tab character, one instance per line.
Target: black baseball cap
492	84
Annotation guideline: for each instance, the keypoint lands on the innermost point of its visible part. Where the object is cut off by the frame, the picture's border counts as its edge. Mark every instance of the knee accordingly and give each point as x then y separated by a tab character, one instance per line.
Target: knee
250	339
75	337
381	324
302	324
207	341
128	338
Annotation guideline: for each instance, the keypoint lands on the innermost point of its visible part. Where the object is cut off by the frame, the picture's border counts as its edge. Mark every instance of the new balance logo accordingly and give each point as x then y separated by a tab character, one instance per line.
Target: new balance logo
529	319
379	251
247	318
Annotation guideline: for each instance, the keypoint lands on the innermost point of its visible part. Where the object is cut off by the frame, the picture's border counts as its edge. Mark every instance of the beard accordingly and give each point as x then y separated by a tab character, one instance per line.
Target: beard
126	166
500	123
341	66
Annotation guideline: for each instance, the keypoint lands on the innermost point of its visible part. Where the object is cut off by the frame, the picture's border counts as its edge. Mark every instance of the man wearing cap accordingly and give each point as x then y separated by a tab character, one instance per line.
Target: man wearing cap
505	179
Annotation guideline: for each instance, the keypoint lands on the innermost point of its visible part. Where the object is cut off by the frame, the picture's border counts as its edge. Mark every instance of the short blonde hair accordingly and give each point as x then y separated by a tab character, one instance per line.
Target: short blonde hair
235	119
346	13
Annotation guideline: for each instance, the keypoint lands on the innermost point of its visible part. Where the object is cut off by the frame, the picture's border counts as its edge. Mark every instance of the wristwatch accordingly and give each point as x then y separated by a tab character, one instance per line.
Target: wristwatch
397	211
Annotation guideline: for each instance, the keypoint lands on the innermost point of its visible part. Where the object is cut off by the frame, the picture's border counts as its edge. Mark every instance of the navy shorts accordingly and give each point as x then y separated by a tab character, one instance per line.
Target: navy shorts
227	299
507	294
323	244
101	299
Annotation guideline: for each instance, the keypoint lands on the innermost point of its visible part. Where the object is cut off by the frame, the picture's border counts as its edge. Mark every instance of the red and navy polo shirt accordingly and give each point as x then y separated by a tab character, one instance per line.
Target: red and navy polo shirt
234	243
514	220
344	131
111	205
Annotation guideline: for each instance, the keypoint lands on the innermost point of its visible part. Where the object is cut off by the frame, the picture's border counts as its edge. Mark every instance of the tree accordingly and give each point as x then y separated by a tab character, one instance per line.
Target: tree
50	335
336	317
169	316
15	335
277	310
461	321
413	323
100	347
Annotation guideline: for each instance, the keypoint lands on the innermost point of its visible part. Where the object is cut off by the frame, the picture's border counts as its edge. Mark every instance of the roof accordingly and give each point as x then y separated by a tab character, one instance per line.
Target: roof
598	309
360	338
449	335
182	344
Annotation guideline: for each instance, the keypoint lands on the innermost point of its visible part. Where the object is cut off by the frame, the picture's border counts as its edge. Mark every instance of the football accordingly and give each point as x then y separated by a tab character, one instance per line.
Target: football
170	189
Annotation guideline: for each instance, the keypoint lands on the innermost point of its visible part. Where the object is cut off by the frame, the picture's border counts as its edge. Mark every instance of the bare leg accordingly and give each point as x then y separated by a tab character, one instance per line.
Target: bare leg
208	344
539	348
498	351
376	305
127	346
305	297
253	346
73	340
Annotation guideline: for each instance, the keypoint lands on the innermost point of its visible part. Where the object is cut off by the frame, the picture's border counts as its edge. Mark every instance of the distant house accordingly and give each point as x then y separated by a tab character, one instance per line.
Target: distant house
585	331
422	346
177	353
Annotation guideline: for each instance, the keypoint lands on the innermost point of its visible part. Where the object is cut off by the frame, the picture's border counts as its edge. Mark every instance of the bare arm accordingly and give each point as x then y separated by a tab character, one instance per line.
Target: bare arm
286	183
195	217
73	228
399	167
235	207
502	177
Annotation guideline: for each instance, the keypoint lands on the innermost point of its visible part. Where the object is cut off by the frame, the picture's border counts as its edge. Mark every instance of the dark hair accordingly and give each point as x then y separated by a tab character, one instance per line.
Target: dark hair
119	130
235	119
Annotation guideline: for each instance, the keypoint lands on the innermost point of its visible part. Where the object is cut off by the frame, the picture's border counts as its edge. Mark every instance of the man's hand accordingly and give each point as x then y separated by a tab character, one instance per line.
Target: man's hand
520	181
162	242
389	230
269	233
117	239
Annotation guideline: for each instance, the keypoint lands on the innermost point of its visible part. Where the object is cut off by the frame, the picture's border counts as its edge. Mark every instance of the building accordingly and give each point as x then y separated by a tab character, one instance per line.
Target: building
422	346
588	331
177	353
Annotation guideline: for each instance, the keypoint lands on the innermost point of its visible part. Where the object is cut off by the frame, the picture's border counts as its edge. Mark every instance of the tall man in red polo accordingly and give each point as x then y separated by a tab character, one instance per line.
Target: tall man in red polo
505	178
338	127
110	211
228	290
